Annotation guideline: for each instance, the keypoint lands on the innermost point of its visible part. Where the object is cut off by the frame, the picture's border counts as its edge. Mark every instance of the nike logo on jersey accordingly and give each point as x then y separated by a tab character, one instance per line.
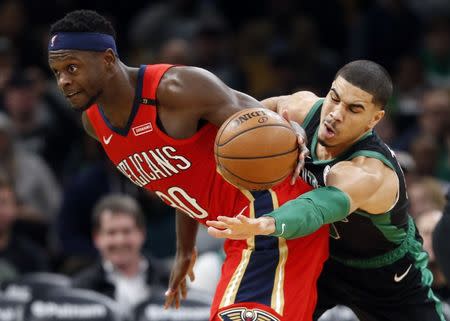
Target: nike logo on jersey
398	278
107	140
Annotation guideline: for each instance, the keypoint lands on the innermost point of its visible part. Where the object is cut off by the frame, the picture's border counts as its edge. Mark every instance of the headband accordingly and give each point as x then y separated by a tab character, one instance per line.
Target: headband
88	41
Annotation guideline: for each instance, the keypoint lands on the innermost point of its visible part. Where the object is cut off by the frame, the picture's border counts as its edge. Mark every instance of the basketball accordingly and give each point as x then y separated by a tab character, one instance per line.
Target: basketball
255	149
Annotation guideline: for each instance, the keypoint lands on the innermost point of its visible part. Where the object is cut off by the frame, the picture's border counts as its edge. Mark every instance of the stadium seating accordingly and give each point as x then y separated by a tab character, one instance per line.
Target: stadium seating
67	304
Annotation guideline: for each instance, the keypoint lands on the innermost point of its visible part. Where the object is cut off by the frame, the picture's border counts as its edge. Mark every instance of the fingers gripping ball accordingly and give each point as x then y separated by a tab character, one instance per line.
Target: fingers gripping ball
255	149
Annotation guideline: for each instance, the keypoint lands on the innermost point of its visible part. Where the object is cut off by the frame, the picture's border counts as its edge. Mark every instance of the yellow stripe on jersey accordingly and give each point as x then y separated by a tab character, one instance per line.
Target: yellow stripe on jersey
277	302
229	295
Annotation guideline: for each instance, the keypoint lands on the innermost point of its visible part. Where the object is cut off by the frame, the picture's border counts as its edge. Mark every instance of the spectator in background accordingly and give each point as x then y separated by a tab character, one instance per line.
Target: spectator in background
426	223
436	52
122	272
36	129
441	244
433	118
87	186
252	48
427	140
7	65
18	255
410	85
425	194
425	152
387	30
175	51
34	183
179	18
408	166
211	51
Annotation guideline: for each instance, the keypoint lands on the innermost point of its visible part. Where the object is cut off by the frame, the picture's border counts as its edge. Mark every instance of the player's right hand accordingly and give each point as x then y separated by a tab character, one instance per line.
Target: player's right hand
303	151
182	268
240	227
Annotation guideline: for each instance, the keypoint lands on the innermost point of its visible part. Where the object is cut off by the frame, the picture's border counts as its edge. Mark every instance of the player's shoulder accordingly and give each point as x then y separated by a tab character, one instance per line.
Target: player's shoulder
305	95
185	78
181	73
370	165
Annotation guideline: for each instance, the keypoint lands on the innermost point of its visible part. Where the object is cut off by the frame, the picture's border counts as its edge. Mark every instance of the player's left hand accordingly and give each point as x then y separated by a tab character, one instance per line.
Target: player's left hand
183	267
240	227
303	151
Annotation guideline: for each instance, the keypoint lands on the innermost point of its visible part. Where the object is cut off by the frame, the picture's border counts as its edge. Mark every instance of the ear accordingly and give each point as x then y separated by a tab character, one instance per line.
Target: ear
378	115
109	57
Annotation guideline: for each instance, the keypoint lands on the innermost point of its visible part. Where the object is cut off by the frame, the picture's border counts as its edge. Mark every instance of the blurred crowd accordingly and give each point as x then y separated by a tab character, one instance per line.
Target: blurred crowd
52	175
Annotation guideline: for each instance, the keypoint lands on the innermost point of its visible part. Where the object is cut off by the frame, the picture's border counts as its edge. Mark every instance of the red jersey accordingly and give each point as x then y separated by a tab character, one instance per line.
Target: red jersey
182	172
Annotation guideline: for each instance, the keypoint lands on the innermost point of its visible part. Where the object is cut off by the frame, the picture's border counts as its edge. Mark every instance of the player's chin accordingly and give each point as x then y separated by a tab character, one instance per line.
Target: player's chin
325	142
81	107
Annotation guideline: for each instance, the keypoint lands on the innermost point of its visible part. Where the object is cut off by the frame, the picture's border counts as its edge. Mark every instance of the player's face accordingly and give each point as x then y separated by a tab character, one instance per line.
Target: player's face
347	113
119	240
80	76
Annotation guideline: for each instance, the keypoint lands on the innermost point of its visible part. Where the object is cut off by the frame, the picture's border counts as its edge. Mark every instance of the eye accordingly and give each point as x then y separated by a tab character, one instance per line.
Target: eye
72	68
354	110
334	97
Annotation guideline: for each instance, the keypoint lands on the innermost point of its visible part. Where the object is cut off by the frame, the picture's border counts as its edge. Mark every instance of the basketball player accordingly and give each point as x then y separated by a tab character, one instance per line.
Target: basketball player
377	265
157	124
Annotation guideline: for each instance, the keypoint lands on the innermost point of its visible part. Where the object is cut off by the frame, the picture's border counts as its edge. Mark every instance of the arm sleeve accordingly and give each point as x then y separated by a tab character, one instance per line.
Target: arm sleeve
307	213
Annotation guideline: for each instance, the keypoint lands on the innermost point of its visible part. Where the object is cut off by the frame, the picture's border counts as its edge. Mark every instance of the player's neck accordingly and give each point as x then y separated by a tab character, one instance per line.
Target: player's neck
118	95
324	152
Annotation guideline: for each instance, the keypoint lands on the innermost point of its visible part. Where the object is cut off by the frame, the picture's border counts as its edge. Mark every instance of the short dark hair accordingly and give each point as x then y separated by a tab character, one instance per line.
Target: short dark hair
370	77
118	204
83	21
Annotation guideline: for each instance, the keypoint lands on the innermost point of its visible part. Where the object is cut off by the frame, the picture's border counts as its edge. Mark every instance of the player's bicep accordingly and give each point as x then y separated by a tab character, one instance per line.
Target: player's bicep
356	181
198	92
88	126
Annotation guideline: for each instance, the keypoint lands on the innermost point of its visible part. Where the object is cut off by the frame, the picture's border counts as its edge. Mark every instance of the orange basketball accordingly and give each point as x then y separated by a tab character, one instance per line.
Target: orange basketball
255	149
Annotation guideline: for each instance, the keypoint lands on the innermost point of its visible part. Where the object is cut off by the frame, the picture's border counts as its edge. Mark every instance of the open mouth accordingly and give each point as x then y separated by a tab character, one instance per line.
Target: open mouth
329	128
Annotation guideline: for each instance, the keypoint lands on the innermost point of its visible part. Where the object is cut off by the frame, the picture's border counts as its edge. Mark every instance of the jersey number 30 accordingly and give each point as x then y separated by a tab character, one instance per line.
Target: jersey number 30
178	198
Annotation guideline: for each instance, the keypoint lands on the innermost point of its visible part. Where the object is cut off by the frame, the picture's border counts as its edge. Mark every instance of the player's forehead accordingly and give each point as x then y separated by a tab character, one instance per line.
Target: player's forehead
349	92
64	56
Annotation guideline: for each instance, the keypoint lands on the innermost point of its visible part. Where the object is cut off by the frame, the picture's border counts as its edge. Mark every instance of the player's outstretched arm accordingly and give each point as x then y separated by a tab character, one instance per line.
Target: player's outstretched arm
363	184
186	254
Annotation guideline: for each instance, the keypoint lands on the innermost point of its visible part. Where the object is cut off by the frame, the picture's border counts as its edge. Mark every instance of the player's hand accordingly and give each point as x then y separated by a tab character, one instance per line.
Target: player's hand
240	227
182	268
303	151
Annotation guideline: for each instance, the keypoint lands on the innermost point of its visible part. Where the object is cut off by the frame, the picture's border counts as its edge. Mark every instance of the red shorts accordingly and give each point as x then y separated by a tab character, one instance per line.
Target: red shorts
269	278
